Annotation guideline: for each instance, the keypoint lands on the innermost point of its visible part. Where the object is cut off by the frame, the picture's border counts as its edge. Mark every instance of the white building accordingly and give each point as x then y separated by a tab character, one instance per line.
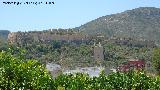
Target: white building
91	71
54	69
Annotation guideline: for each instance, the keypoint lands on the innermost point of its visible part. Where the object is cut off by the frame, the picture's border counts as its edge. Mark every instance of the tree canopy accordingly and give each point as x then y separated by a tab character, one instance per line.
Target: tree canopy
156	59
16	73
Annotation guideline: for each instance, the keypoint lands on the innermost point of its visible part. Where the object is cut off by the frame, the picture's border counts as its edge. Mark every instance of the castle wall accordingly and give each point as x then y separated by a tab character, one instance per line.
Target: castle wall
18	37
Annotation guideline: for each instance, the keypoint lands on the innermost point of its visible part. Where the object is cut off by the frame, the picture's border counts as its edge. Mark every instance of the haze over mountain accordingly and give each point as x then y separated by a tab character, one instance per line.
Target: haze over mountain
4	34
140	23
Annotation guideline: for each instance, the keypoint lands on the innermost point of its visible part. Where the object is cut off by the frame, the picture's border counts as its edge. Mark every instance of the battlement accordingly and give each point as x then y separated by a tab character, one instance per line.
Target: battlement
37	36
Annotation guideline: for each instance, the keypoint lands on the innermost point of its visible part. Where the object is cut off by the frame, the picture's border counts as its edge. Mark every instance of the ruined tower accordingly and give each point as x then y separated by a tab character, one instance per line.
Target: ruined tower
98	52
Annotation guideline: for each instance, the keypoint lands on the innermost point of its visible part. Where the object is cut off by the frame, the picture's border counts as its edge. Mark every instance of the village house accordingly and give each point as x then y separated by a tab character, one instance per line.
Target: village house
132	64
91	71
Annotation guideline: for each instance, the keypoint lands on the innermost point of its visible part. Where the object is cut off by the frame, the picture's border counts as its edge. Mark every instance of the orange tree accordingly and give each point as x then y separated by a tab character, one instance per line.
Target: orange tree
16	73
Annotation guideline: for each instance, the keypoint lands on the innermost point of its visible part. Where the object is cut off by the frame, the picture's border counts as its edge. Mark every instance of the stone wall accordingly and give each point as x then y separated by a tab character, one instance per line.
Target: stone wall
19	37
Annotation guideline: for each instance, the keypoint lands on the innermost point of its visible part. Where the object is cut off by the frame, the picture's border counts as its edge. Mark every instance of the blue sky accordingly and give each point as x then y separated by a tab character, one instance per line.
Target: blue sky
63	14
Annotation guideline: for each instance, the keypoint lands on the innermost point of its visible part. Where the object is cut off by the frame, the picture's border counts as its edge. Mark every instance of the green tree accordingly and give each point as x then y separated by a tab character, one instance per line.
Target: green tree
19	74
156	59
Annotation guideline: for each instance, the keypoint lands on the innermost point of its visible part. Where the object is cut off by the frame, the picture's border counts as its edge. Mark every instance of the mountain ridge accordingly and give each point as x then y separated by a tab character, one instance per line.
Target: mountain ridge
4	34
141	23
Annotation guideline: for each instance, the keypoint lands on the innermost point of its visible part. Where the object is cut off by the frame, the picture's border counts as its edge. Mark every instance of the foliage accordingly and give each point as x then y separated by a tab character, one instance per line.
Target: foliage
139	23
156	59
18	74
71	55
114	81
120	53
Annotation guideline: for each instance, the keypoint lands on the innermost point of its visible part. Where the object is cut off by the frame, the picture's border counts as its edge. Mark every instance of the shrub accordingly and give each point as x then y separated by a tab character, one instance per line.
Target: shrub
18	74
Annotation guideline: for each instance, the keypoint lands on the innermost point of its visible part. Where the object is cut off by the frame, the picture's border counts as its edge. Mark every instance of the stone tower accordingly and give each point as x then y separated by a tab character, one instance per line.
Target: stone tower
98	52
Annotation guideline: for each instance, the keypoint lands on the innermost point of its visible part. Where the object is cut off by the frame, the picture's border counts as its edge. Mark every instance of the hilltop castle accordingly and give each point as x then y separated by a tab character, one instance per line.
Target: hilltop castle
45	36
69	35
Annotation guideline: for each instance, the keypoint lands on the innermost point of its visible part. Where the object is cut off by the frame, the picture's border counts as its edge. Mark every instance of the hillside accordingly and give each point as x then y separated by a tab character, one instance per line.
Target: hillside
71	48
4	34
140	23
3	39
